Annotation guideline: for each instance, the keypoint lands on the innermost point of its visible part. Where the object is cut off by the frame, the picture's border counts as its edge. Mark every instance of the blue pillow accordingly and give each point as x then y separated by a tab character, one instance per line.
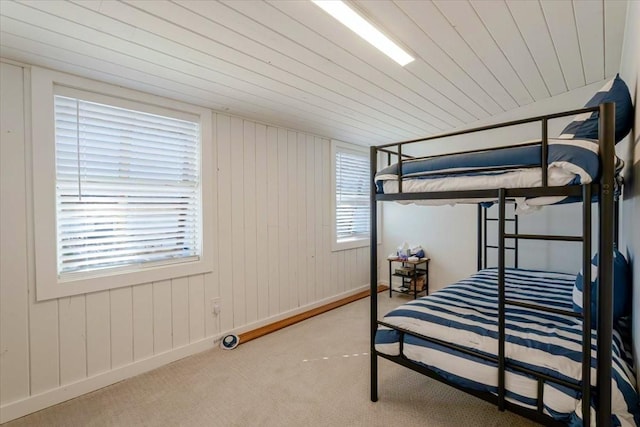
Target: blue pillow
621	288
585	126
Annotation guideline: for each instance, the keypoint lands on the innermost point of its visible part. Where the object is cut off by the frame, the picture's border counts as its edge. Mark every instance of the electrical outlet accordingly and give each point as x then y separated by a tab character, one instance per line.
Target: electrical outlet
215	306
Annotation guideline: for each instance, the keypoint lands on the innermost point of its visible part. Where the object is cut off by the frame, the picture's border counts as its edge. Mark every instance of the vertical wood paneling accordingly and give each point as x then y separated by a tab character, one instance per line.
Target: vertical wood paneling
325	192
363	265
317	190
262	240
352	267
197	304
272	207
292	224
223	128
333	281
212	324
211	280
283	220
309	294
342	287
98	333
43	343
237	222
14	322
357	276
121	327
142	321
301	205
180	311
249	245
73	349
272	190
162	340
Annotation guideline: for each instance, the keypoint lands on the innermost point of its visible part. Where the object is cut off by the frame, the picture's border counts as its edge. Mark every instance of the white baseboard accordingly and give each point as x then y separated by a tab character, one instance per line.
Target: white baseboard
19	408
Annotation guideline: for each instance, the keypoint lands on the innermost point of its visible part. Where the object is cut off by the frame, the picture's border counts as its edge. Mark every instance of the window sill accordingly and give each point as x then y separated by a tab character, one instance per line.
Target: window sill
347	244
88	283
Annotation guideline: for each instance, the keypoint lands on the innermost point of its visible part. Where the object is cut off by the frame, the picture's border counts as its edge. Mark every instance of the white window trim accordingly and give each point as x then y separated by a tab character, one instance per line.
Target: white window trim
48	285
351	243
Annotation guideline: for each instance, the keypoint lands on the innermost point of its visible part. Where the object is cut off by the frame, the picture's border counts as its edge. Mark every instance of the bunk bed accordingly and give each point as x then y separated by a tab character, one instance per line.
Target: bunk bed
509	336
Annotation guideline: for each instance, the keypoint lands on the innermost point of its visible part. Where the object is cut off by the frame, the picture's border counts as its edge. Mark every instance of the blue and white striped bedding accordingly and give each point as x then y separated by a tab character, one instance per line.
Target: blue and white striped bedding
466	314
570	162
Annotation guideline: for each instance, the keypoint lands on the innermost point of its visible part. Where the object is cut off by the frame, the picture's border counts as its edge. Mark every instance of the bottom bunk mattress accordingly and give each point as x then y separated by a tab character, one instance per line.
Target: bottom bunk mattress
466	314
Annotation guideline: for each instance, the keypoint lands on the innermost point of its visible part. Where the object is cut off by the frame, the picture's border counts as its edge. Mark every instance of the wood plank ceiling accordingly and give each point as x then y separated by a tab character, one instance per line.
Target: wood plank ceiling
289	63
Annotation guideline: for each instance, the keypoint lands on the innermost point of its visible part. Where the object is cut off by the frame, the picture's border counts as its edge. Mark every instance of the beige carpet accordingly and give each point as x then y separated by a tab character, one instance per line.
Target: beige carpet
299	376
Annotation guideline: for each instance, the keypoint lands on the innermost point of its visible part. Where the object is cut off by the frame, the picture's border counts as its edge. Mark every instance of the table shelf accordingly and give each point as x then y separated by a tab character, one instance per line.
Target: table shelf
409	281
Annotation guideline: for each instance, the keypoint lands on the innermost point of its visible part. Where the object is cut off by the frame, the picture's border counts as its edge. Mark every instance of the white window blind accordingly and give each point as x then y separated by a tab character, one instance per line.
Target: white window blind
127	187
352	195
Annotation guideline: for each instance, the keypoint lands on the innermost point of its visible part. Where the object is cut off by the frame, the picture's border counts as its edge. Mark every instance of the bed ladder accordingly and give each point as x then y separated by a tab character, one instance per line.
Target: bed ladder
483	225
585	316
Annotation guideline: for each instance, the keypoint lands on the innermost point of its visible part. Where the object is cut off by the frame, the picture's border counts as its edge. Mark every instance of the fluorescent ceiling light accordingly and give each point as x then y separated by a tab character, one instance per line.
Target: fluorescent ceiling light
350	18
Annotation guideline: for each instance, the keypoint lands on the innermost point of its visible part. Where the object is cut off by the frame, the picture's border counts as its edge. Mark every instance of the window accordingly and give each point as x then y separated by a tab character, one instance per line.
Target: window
120	186
127	187
351	213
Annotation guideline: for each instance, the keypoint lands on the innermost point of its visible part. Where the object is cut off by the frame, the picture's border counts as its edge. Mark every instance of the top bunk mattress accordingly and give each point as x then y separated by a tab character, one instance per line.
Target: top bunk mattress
570	162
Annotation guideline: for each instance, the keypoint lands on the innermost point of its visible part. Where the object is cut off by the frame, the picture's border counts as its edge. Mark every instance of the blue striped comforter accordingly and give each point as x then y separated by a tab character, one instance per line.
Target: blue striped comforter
466	314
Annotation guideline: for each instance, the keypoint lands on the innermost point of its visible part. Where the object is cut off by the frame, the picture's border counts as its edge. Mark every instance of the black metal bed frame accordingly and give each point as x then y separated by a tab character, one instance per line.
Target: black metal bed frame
607	228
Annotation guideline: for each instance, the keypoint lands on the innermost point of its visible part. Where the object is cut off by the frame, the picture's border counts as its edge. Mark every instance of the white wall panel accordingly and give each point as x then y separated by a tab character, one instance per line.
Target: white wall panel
272	255
121	302
197	304
98	333
301	207
262	243
43	344
272	221
281	256
341	272
319	285
225	254
73	349
212	280
162	318
14	314
291	229
212	323
248	257
237	246
308	284
326	192
180	311
142	321
333	280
